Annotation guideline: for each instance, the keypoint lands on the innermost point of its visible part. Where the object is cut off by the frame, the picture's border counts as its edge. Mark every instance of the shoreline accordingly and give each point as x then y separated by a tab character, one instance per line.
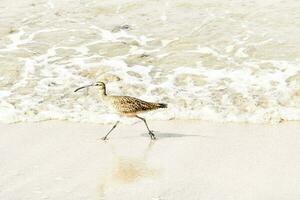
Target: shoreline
132	121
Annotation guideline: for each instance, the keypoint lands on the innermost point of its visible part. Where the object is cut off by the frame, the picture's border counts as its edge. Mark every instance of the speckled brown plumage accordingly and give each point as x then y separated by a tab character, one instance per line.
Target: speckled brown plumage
126	106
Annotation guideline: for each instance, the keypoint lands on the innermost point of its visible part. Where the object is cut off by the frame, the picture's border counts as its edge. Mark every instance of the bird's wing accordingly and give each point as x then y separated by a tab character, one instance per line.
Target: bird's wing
127	104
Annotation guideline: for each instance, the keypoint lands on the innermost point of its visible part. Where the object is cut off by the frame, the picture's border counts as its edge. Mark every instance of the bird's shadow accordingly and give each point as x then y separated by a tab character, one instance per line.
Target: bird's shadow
161	135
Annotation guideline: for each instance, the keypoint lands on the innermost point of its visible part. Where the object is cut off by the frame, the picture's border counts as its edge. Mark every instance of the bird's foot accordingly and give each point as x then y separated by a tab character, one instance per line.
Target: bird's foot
152	135
104	138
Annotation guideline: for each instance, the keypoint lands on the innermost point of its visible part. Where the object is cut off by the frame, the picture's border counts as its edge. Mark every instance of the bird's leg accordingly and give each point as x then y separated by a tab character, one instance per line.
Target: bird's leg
150	132
105	137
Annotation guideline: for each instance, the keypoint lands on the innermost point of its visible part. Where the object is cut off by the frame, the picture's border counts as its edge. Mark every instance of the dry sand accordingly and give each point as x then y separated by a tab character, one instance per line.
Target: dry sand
191	160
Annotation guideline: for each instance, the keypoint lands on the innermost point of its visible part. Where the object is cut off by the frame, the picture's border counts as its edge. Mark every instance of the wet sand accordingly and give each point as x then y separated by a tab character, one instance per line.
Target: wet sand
190	160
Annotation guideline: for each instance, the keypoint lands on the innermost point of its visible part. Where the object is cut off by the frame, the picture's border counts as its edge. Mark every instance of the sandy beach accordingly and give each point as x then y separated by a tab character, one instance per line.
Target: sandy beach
229	71
189	160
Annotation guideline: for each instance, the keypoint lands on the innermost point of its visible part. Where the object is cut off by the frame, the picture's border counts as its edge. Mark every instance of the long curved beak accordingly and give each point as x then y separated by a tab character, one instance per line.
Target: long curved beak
83	87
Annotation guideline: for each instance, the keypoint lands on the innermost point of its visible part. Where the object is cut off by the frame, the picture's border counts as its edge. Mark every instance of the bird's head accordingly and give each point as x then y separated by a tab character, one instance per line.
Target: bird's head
98	84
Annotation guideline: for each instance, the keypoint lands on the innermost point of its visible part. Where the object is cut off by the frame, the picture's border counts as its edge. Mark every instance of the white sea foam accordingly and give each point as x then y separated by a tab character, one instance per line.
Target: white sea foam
211	63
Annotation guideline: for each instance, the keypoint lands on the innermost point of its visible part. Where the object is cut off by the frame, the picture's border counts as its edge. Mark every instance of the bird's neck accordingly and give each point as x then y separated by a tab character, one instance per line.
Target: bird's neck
103	92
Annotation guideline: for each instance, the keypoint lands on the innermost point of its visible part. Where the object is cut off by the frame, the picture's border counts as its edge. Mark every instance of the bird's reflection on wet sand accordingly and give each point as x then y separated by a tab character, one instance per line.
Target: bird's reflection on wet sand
127	169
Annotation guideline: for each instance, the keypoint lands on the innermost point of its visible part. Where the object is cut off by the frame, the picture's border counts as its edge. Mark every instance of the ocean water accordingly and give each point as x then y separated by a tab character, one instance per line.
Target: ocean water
219	60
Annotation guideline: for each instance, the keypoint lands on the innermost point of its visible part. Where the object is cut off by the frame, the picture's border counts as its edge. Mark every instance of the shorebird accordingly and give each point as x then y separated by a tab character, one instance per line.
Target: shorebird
125	106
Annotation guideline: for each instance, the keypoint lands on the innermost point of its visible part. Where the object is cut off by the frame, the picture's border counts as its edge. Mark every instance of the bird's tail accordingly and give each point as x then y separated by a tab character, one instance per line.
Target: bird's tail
162	105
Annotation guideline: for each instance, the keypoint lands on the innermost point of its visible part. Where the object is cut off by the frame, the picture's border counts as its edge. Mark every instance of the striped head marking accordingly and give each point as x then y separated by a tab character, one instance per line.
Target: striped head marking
100	84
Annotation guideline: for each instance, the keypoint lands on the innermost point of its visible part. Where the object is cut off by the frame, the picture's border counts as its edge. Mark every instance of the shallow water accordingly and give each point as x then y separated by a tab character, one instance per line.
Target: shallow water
211	60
